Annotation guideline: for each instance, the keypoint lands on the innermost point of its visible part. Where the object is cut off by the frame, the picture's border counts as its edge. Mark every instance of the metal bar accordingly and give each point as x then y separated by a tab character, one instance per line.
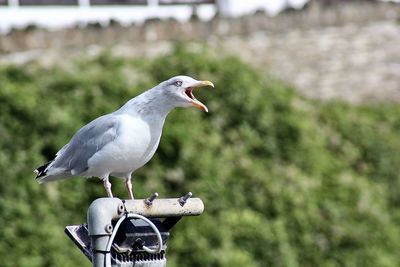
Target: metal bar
165	207
100	214
79	234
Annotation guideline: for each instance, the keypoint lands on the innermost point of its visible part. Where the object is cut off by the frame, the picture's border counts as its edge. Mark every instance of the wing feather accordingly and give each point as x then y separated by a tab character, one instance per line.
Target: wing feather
90	139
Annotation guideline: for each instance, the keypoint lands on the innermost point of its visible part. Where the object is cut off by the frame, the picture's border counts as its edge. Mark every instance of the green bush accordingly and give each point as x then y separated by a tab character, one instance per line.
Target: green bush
286	181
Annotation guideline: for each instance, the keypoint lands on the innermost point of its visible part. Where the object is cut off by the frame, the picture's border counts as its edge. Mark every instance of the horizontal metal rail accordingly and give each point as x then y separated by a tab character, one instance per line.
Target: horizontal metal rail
166	207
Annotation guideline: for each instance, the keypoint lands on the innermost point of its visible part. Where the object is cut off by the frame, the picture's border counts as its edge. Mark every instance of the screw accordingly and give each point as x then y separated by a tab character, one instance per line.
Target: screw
182	200
109	228
121	208
149	201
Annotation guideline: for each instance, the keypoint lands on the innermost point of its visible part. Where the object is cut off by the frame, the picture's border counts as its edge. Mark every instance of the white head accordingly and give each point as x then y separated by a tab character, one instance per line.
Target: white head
179	90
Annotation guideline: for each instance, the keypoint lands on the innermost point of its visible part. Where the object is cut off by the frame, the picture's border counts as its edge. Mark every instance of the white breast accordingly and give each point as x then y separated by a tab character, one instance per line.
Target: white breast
137	141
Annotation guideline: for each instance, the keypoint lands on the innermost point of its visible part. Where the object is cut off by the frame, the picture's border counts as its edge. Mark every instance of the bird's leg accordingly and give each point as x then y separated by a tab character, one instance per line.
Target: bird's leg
128	185
107	186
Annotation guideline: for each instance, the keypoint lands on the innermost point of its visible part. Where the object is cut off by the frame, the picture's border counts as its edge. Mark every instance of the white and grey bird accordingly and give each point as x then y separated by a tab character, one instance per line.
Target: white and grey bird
121	142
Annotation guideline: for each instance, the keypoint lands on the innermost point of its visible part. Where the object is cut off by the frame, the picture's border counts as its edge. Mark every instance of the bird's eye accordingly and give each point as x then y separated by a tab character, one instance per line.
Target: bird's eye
178	83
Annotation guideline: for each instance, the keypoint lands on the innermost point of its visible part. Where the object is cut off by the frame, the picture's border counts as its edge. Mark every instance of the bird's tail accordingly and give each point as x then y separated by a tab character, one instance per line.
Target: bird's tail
43	177
51	178
42	170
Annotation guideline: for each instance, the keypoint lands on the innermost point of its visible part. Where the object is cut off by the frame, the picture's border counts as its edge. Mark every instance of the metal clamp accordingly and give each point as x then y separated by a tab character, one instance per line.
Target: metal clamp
134	216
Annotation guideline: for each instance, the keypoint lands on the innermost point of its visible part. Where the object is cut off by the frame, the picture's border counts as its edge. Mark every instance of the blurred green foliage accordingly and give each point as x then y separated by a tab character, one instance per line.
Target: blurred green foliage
286	181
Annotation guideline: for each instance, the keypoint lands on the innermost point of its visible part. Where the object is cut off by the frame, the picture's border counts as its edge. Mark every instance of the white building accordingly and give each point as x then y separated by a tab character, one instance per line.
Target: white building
55	14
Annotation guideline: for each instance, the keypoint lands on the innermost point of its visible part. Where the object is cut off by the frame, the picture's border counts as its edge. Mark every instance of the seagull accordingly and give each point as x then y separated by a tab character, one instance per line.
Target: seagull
119	143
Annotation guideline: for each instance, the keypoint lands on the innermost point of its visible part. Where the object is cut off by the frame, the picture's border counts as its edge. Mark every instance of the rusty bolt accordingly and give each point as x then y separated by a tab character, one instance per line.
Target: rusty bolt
149	201
182	200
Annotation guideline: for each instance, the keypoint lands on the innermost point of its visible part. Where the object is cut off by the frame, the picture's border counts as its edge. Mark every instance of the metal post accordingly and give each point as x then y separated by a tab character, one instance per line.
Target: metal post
100	214
131	232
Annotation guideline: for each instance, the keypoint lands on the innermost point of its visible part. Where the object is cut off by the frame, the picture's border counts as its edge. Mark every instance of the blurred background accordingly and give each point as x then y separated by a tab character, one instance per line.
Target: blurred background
298	160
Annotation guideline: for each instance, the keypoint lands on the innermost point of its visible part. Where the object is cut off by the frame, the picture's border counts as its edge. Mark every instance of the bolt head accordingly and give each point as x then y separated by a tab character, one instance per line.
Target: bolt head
109	228
121	208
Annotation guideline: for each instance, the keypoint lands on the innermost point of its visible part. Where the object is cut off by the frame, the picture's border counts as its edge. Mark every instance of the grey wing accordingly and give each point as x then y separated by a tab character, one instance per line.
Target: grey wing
91	138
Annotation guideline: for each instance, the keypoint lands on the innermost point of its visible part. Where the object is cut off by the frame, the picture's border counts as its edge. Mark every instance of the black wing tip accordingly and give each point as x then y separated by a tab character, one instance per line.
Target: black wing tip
41	171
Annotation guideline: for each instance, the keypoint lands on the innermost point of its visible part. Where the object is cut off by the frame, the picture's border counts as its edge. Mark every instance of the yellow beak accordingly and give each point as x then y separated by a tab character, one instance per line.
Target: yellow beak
203	83
196	102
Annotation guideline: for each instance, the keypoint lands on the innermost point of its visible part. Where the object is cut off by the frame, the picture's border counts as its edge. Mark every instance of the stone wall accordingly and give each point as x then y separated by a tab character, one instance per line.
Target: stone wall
349	51
314	16
355	63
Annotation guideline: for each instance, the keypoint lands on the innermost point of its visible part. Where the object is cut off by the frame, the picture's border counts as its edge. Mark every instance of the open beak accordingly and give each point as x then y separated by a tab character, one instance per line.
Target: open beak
189	93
